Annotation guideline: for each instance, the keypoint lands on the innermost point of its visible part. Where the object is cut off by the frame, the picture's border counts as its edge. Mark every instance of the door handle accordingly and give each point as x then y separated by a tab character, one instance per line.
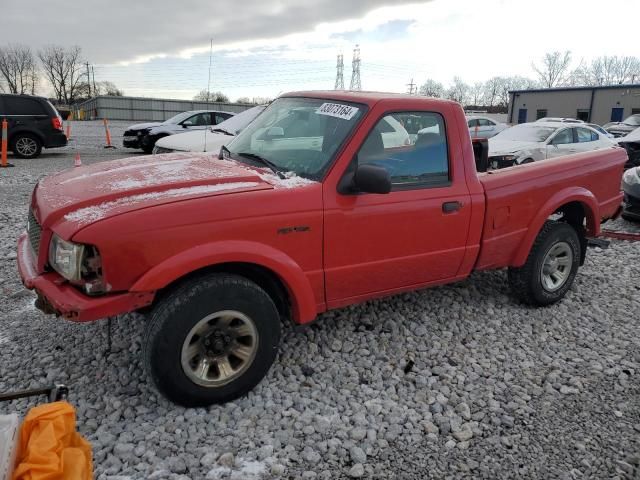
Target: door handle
450	207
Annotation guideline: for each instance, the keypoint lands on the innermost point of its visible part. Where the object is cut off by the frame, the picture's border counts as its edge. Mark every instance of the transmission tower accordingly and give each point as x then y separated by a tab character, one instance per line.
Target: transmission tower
356	84
412	88
340	73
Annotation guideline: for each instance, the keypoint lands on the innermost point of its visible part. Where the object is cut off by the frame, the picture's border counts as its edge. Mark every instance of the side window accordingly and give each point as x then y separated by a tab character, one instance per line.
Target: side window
198	120
564	137
218	118
411	164
484	122
23	106
473	123
585	135
595	137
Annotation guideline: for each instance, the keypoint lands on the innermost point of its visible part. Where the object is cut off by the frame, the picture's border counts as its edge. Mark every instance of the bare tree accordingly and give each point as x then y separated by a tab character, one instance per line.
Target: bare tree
627	70
431	88
108	88
508	84
606	70
476	94
492	91
459	91
63	68
553	71
206	96
18	69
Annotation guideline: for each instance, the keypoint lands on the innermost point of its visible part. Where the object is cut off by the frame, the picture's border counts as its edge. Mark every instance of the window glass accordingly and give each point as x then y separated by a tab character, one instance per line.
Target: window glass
300	135
595	136
199	120
585	135
473	123
483	122
541	114
564	137
420	162
23	106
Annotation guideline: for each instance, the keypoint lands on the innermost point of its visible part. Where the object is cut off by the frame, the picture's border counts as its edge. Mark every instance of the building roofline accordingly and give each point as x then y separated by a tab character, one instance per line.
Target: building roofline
564	89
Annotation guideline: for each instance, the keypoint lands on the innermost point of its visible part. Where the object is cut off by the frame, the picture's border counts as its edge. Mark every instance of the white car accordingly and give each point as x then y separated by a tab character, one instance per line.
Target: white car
211	139
529	142
484	127
559	119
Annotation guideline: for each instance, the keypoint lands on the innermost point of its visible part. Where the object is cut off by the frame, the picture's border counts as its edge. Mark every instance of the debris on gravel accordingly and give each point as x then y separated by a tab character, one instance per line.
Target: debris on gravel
459	381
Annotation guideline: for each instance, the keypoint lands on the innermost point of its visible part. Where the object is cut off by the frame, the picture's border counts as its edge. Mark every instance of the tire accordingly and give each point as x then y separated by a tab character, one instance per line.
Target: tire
175	357
26	145
630	218
556	240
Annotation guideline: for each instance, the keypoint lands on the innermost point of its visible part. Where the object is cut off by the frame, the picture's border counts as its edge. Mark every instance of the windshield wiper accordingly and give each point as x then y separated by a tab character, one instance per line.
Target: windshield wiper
254	156
222	130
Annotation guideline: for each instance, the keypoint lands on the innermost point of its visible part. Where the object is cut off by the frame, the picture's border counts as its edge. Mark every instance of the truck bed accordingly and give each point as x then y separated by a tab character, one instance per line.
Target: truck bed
521	197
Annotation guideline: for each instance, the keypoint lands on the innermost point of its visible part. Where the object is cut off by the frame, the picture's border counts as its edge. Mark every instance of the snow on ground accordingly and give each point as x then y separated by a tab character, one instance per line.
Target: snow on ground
455	382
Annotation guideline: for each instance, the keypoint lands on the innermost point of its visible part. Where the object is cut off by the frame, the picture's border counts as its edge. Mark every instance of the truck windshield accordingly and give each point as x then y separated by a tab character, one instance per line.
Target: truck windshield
300	135
526	132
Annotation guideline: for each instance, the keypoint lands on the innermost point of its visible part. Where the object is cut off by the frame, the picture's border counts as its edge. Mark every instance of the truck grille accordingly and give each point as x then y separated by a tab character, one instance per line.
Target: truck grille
34	230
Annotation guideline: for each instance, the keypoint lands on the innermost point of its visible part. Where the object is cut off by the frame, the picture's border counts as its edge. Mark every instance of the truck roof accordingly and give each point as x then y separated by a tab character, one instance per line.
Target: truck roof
369	98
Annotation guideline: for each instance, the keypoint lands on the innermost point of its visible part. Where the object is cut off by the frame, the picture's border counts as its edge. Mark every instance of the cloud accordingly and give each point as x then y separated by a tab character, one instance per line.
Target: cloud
121	30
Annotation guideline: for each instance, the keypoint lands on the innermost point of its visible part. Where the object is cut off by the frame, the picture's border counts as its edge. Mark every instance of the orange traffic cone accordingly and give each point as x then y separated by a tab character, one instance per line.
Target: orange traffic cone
77	162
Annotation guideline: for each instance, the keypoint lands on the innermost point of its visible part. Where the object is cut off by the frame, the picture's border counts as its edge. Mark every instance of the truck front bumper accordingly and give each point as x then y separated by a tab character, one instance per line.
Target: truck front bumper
56	295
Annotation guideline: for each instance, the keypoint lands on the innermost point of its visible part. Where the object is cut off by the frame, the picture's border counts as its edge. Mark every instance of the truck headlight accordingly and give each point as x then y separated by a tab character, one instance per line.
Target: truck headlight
66	258
631	176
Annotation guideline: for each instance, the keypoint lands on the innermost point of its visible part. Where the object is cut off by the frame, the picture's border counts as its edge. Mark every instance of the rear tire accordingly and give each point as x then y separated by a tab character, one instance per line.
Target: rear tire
211	340
550	268
26	145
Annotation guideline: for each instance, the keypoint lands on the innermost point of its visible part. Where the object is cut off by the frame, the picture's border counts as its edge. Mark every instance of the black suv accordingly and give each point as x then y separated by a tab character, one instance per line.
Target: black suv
33	123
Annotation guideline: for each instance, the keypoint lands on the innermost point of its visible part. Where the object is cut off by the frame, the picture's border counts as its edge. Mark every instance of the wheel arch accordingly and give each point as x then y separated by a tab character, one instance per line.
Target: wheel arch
23	131
575	205
279	275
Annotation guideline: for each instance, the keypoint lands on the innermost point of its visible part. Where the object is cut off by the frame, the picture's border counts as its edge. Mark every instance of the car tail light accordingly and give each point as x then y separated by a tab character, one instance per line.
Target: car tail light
57	123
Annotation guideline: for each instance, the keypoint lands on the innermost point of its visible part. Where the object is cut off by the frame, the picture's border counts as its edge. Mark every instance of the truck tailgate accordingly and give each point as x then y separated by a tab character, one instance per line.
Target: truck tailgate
519	198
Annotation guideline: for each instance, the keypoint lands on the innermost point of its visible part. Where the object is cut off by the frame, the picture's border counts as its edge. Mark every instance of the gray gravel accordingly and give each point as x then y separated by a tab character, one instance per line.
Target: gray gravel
454	382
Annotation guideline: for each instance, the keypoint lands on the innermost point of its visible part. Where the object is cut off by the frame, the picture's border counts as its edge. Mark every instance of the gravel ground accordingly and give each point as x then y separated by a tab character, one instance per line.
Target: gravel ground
453	382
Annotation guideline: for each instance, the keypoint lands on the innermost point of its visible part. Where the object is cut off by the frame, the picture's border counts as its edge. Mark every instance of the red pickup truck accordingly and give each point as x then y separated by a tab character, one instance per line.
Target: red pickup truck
325	200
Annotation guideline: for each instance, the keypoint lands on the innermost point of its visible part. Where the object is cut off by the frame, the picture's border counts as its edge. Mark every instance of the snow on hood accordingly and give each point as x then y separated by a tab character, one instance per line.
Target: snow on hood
634	136
142	126
498	147
195	141
87	194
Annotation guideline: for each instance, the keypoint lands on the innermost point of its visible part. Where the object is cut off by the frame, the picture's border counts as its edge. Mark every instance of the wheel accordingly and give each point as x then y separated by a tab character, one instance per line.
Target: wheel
26	145
211	340
630	218
550	268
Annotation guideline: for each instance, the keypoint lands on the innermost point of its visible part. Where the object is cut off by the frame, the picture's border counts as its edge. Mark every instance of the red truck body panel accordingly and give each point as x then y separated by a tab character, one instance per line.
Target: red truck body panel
156	220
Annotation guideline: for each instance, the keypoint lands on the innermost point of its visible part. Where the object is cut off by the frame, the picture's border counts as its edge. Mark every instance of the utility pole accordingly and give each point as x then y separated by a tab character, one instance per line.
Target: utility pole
413	88
356	83
339	73
93	73
88	79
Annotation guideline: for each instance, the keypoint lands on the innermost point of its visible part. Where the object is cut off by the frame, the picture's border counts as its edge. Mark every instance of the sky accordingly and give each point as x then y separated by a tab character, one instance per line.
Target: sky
266	47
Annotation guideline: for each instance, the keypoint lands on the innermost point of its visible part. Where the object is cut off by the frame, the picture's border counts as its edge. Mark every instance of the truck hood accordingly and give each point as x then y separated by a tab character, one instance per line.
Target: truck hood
81	196
504	147
195	141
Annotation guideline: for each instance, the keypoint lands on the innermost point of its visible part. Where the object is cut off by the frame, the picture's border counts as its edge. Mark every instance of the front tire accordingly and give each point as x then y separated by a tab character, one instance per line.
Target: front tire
26	145
550	268
211	340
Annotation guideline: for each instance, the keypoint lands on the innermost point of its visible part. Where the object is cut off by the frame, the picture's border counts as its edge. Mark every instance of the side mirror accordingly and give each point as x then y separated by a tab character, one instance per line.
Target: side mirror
184	125
272	133
371	179
481	154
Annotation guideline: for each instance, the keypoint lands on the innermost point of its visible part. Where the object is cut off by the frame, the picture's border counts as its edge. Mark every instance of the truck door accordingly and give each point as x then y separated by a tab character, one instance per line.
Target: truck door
416	234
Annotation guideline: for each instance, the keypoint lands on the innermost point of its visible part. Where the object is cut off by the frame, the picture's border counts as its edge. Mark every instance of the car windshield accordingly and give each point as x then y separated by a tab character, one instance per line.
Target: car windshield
300	135
526	132
633	120
237	123
179	118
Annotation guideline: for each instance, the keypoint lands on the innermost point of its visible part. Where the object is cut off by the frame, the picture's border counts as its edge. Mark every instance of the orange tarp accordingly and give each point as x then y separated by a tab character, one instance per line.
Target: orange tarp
50	448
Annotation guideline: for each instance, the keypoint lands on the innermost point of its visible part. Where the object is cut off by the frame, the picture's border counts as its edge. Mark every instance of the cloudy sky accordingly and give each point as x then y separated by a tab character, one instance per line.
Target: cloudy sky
264	47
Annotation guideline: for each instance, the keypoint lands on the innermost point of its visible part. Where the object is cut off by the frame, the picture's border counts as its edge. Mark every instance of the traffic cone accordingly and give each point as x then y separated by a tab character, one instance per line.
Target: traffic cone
77	162
68	129
5	146
107	134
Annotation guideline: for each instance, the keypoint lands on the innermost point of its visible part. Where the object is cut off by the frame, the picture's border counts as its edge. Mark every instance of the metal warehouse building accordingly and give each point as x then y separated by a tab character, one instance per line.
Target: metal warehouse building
144	109
599	105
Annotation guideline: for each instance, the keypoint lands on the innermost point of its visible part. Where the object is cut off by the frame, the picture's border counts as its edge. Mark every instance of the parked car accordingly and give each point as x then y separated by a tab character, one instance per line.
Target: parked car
529	142
211	139
620	129
559	119
242	242
144	135
631	188
33	123
631	143
484	127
